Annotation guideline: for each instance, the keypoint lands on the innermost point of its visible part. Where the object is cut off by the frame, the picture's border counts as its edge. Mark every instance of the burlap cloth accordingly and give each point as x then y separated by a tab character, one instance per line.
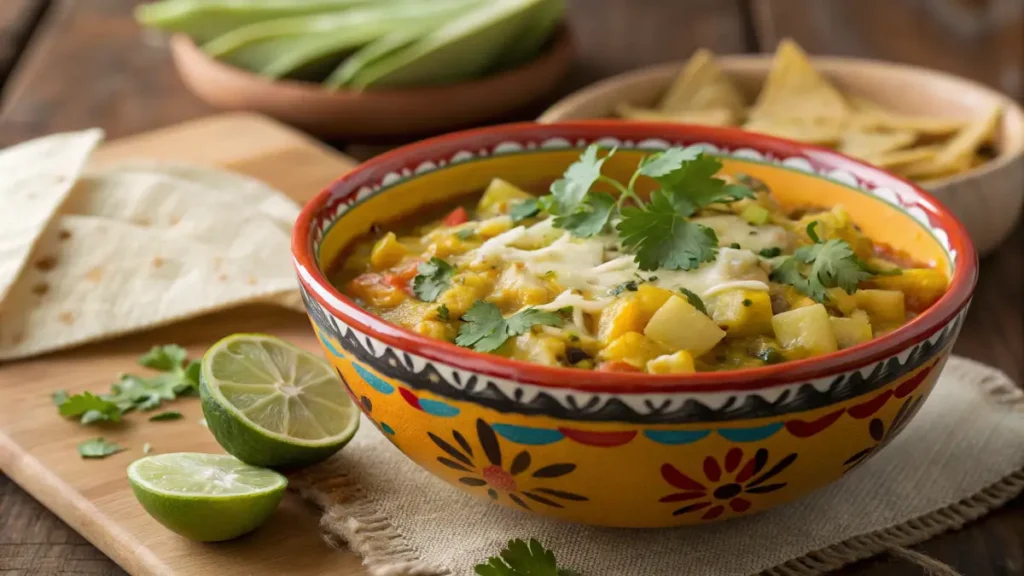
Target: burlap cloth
961	457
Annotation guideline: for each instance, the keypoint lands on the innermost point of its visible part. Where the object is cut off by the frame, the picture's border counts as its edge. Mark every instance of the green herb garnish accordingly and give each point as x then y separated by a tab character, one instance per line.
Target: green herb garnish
434	276
177	376
814	269
523	559
442	312
627	286
747	302
165	416
485	329
98	448
523	210
694	300
770	252
465	234
735	246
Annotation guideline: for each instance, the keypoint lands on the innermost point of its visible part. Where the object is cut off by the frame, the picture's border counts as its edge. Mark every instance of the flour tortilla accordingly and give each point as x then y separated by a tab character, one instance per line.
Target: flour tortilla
35	179
146	245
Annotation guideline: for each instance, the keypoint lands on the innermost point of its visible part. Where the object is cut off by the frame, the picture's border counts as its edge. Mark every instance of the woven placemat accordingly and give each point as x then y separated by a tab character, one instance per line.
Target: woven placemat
961	457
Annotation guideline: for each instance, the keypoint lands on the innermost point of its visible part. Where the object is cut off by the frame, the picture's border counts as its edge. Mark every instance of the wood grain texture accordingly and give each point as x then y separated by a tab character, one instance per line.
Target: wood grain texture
979	39
37	447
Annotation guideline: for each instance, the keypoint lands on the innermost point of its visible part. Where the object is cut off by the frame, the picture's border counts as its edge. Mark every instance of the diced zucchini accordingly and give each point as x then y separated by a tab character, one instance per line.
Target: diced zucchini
743	312
851	331
680	362
886	308
498	197
807	328
387	252
632	348
756	214
921	287
677	325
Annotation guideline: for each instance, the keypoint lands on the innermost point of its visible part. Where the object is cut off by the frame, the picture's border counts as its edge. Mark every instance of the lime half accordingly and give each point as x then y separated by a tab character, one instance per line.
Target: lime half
271	404
206	497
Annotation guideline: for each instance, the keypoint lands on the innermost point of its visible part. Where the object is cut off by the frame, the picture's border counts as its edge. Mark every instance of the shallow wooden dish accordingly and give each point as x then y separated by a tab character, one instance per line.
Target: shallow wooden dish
347	114
988	199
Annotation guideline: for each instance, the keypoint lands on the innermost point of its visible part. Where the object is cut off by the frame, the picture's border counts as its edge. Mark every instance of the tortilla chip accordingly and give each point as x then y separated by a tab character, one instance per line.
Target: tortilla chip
868	144
861	104
140	248
794	89
709	117
957	153
898	158
825	133
702	86
885	120
37	177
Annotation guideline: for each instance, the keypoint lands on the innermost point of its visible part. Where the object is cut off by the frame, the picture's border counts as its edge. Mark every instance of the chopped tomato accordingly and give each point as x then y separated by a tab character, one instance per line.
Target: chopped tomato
616	366
402	277
456	217
375	290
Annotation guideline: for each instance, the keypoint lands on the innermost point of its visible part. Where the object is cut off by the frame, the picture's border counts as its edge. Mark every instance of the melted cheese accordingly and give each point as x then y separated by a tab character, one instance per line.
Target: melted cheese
732	229
588	268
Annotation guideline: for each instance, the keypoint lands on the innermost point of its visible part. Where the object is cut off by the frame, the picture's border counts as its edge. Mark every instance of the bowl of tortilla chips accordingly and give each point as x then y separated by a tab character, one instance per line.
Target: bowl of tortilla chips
959	139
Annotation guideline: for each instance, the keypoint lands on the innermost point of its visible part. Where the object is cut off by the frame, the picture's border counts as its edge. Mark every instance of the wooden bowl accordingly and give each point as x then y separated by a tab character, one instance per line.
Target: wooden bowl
370	113
988	198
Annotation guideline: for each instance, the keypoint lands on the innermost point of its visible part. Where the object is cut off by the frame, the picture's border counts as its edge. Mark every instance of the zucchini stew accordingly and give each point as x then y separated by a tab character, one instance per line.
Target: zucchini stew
677	270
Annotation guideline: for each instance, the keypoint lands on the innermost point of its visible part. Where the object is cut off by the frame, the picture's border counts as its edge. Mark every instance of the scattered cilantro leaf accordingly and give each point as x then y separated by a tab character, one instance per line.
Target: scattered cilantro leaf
790	271
665	163
166	416
523	210
694	300
133	392
520	558
693	177
485	329
434	276
164	358
98	448
59	397
465	234
770	252
589	217
442	312
90	408
662	237
628	285
815	268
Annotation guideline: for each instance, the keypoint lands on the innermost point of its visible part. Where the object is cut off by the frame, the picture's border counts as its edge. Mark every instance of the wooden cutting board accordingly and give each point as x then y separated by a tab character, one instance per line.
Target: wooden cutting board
38	448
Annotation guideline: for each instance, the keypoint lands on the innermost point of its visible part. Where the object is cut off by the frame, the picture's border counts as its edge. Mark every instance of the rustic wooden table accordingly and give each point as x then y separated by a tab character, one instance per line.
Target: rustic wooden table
71	64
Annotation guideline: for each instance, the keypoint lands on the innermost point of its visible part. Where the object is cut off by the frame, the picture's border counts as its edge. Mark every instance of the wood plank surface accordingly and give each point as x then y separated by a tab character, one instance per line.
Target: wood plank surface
88	65
979	39
37	446
18	19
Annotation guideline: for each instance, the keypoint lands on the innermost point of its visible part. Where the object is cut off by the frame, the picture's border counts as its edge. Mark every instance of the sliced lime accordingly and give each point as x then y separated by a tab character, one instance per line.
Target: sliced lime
269	403
206	497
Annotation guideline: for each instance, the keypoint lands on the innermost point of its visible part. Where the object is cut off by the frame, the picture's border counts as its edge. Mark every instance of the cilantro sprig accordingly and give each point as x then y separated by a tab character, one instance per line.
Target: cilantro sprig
816	268
659	232
434	277
485	329
177	376
98	448
520	558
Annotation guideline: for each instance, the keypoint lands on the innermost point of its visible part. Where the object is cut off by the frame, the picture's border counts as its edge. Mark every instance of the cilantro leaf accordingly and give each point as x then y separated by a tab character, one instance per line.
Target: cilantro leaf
520	558
164	358
523	210
434	277
485	329
90	408
442	312
98	448
165	416
465	234
833	264
568	191
665	163
59	397
661	235
521	322
790	271
694	300
590	216
690	173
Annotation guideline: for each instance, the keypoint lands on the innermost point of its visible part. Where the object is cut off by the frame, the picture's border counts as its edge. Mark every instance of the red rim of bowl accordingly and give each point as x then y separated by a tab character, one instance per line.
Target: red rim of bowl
747	379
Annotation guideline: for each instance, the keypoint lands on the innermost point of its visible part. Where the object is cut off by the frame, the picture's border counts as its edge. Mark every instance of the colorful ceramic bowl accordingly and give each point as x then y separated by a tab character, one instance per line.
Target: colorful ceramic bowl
622	449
